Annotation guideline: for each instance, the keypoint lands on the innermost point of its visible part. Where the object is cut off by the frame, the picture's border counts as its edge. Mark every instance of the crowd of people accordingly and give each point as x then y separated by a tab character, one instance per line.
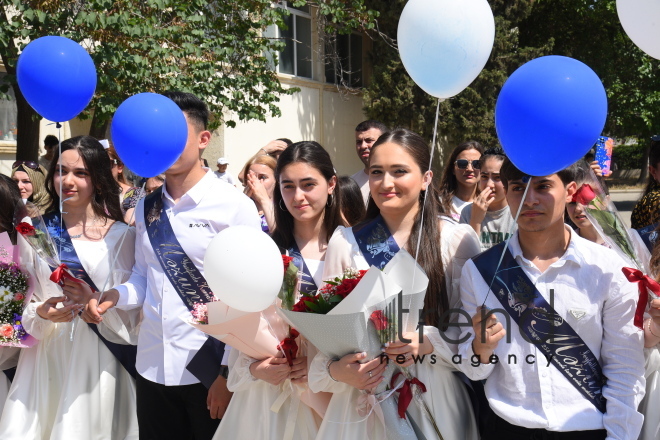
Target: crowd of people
528	316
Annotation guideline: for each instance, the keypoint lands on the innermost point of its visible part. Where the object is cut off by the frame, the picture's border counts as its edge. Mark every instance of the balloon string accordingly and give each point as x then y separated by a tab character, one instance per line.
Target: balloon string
121	243
59	159
426	193
511	232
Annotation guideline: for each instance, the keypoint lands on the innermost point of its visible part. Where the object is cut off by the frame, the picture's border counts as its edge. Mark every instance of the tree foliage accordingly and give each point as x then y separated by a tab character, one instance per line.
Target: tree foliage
214	49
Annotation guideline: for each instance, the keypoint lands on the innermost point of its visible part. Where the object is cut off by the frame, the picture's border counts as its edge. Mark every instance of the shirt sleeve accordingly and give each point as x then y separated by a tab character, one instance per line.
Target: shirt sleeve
338	255
466	213
622	355
133	291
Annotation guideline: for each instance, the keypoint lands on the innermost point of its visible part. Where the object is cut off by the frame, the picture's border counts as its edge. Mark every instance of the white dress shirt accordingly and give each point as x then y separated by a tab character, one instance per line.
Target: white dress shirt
166	344
362	179
593	296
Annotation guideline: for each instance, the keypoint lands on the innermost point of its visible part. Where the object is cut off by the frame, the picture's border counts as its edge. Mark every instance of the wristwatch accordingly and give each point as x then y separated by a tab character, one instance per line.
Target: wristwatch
224	371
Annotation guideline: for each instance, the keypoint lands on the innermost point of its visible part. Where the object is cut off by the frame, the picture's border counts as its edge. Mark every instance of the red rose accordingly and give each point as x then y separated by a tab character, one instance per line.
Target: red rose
584	195
379	319
290	349
300	306
286	260
25	229
346	287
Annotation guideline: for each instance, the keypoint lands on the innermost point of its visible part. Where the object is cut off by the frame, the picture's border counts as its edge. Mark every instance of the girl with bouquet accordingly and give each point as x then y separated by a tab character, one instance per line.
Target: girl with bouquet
70	385
307	210
398	180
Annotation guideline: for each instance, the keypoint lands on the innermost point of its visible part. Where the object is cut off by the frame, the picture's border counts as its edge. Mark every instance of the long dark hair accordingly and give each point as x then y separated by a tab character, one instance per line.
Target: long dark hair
313	154
105	201
352	203
448	183
654	161
10	197
436	301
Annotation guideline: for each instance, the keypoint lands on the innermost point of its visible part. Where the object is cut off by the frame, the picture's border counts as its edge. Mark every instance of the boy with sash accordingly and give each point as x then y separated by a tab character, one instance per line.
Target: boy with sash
174	225
552	329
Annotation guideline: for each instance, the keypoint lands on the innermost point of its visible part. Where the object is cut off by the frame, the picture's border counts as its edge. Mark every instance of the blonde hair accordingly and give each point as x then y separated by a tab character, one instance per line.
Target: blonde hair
259	160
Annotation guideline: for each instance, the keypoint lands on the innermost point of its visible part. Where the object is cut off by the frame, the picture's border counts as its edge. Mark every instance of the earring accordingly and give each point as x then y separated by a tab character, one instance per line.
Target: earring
329	202
281	207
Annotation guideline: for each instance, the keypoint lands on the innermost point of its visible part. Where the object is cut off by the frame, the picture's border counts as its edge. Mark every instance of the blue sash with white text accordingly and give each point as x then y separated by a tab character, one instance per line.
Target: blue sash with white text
187	280
649	235
125	354
376	242
540	324
307	283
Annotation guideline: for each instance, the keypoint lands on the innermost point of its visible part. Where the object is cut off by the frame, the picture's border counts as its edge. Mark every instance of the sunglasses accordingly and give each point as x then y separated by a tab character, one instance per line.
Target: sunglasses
27	163
462	164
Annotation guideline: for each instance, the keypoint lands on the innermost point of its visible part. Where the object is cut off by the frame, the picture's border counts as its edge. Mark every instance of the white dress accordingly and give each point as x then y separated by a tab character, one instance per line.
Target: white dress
446	395
250	414
74	389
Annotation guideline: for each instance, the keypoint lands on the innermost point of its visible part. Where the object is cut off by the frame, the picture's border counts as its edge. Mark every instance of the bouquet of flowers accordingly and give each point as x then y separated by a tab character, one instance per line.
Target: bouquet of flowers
14	296
339	320
31	226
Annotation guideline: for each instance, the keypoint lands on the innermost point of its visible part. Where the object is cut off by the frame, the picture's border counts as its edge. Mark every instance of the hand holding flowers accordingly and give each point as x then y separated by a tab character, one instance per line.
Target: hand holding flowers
366	376
409	350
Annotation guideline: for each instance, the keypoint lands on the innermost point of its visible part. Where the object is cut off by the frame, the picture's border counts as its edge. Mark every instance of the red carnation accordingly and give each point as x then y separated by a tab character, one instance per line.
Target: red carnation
379	319
24	228
584	195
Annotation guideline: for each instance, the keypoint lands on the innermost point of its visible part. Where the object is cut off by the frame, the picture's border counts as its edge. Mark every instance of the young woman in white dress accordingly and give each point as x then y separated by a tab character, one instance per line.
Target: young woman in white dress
70	386
307	210
397	181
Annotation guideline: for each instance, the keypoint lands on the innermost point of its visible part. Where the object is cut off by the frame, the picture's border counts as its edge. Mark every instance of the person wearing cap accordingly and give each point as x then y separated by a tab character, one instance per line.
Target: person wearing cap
222	172
50	144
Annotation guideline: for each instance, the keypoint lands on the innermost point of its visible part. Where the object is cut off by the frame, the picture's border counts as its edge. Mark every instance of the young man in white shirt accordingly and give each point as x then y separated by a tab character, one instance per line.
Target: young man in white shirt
222	172
557	321
172	403
366	134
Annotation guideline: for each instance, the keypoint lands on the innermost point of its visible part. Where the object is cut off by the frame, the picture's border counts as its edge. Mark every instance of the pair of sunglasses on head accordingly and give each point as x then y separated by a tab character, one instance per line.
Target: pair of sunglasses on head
462	164
28	163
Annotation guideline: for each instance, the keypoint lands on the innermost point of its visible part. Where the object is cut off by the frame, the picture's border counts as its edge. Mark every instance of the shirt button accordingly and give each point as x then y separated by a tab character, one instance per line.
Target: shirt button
544	374
164	318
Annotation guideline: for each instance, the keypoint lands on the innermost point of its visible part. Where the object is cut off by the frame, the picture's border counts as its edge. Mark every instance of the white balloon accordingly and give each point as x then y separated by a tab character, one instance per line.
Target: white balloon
641	21
243	267
444	44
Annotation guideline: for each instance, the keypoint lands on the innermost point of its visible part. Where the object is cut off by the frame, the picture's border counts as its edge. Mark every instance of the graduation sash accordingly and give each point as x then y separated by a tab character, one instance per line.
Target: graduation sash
125	354
187	280
376	242
307	283
540	324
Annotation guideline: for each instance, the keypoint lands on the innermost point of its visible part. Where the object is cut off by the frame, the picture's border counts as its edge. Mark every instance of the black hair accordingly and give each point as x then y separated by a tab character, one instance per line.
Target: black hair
313	154
51	141
495	152
192	106
510	172
10	198
654	161
352	203
368	125
436	301
105	201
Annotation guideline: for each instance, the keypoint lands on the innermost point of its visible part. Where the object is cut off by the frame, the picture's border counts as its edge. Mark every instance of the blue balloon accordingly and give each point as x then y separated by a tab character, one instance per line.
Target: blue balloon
550	112
149	132
57	77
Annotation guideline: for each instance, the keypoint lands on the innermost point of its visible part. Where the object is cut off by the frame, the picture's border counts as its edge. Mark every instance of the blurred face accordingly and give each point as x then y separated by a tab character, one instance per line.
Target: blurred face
222	168
24	183
266	176
490	178
152	184
77	189
363	143
305	191
198	139
577	214
116	168
395	179
545	202
469	176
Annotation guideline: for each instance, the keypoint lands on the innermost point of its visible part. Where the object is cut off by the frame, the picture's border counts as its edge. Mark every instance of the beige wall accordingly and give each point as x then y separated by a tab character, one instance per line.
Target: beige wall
317	113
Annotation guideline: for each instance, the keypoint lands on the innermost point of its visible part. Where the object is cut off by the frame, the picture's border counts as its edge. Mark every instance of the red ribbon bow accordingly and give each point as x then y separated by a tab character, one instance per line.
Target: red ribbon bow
644	282
289	346
405	392
62	273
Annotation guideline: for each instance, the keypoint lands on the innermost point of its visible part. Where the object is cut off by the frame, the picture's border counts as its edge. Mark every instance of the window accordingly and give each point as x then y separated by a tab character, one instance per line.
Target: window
344	60
296	57
8	115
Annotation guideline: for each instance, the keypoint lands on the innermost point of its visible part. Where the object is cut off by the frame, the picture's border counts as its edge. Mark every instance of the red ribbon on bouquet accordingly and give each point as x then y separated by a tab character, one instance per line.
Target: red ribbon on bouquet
644	282
62	273
405	392
289	346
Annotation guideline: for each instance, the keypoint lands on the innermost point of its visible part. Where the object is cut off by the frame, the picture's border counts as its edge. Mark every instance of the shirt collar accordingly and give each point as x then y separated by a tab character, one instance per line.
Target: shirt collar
197	192
572	252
